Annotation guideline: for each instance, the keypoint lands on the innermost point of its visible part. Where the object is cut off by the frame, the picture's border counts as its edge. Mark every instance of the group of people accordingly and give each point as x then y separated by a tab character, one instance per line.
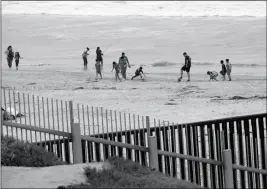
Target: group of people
120	67
10	55
123	64
226	69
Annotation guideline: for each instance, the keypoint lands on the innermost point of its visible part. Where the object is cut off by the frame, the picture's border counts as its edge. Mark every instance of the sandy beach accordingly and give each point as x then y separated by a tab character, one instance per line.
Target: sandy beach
52	66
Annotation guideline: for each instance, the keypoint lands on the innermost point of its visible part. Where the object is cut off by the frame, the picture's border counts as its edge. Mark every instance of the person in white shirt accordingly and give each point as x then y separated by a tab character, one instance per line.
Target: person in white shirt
228	69
213	75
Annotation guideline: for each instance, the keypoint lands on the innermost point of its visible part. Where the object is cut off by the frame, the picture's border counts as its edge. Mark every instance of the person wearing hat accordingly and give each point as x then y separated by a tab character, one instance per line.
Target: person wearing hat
186	67
124	62
84	55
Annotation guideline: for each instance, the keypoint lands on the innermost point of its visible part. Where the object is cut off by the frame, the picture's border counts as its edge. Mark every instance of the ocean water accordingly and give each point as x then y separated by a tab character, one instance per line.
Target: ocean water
146	8
153	34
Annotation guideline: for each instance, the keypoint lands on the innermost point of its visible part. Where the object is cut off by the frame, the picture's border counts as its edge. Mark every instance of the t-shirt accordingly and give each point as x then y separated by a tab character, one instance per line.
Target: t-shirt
123	60
213	74
99	53
188	60
117	68
10	54
223	68
17	56
138	71
84	54
229	66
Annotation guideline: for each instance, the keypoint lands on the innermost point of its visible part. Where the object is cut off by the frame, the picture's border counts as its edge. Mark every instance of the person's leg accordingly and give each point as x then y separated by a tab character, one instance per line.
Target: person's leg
134	77
9	63
181	76
17	64
123	72
188	73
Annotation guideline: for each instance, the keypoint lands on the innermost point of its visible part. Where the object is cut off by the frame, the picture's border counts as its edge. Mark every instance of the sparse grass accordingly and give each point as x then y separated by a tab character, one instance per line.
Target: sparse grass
18	153
127	174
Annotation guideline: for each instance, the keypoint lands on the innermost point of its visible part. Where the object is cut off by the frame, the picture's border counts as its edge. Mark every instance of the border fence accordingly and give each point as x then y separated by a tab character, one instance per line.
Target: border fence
222	153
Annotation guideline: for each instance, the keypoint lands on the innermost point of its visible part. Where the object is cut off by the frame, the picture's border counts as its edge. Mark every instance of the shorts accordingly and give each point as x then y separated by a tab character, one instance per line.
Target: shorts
85	60
184	68
100	59
98	68
222	73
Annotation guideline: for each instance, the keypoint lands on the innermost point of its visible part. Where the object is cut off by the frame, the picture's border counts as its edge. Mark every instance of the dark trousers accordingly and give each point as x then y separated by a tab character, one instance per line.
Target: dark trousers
9	62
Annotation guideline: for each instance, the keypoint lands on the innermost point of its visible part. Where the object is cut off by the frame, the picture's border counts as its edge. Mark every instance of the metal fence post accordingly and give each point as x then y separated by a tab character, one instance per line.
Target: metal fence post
228	169
148	126
76	143
153	153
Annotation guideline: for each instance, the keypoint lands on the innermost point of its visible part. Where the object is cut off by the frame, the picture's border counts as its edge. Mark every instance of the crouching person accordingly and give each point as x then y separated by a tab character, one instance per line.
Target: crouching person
213	75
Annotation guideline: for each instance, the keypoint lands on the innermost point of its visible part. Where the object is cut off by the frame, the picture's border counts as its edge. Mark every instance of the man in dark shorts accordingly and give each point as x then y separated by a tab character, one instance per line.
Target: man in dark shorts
138	72
186	67
84	55
99	55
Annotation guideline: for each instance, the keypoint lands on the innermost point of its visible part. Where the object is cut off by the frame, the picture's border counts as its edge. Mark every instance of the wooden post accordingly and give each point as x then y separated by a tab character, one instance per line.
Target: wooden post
153	153
76	143
148	126
228	169
71	113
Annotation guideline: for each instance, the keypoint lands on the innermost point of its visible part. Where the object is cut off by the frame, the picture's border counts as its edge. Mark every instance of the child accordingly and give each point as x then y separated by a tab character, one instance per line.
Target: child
17	57
84	55
213	75
223	71
98	69
117	69
138	72
228	69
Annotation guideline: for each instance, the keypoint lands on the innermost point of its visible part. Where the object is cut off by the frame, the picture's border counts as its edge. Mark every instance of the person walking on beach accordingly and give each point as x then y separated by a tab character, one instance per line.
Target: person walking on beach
98	69
213	75
99	55
186	67
117	70
223	71
17	57
124	62
228	69
9	56
138	72
84	55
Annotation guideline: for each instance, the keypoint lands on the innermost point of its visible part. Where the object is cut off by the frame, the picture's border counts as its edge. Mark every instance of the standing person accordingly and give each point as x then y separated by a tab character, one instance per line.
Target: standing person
17	57
9	56
223	71
99	55
186	67
228	69
84	55
138	72
98	69
123	62
117	70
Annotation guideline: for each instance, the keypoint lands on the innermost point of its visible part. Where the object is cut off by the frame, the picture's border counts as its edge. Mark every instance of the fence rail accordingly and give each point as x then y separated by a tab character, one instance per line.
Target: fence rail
192	151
